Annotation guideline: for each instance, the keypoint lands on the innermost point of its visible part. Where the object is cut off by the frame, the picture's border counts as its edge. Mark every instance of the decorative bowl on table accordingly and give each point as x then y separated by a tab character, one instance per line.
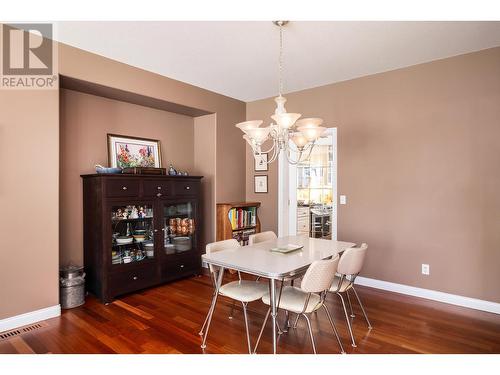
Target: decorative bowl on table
124	240
100	169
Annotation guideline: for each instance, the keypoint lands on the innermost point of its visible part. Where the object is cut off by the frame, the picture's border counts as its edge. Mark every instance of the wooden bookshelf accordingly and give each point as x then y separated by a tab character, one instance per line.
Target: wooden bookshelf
227	230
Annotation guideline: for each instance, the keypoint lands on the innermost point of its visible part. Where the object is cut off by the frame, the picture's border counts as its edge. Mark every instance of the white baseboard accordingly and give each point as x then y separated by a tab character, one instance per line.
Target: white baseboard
434	295
29	318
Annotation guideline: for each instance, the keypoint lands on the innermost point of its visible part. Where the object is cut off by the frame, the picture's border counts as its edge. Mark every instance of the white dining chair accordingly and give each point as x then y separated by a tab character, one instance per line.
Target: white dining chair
261	237
244	291
309	298
349	267
269	236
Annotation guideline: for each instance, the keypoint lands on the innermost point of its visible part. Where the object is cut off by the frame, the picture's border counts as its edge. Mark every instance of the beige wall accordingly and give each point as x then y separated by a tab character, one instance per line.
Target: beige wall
90	67
205	164
419	157
85	120
29	148
29	130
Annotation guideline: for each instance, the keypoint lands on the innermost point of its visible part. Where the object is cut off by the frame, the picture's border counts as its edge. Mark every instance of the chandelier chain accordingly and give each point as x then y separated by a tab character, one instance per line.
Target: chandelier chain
280	89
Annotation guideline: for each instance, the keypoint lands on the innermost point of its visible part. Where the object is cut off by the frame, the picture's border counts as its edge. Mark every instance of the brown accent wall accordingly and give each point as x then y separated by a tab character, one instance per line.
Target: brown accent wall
205	163
29	189
85	120
419	157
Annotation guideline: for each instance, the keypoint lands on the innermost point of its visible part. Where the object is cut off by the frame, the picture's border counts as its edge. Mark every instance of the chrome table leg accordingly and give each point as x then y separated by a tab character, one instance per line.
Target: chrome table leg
246	326
262	329
272	296
214	297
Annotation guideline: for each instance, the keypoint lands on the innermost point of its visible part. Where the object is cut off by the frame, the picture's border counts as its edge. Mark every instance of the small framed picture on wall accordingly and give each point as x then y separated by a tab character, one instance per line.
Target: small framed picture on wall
260	162
260	183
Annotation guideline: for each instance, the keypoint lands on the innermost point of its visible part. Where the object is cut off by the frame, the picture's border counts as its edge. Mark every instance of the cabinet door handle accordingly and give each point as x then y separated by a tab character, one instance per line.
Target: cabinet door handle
124	188
188	187
158	195
135	277
182	265
163	229
156	230
158	187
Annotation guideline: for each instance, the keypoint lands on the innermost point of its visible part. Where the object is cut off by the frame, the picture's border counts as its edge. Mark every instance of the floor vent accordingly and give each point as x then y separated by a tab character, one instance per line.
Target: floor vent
19	331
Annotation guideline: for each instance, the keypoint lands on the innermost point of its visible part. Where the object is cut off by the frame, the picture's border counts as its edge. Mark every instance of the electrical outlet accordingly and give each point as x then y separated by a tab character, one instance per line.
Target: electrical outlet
343	199
426	270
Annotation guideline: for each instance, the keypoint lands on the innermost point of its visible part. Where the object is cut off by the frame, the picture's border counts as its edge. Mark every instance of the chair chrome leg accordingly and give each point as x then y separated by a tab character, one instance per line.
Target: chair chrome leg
334	329
206	318
350	305
232	310
287	321
217	284
211	313
362	308
246	326
347	319
296	321
262	330
310	332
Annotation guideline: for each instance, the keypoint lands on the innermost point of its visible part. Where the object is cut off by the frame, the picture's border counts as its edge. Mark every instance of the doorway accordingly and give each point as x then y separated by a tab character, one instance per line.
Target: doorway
308	192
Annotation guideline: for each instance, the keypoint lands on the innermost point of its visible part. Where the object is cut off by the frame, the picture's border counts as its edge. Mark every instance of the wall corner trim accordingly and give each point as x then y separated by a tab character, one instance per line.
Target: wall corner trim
29	318
453	299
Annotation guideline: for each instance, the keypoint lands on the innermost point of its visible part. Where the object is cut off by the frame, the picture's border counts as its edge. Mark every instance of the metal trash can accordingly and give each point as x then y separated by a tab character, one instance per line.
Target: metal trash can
72	286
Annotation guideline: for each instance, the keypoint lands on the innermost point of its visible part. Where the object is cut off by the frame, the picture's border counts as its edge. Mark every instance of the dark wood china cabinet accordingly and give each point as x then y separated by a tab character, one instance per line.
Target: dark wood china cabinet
139	231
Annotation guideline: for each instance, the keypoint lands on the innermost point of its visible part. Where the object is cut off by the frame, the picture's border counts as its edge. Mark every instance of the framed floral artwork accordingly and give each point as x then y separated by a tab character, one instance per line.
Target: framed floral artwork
126	152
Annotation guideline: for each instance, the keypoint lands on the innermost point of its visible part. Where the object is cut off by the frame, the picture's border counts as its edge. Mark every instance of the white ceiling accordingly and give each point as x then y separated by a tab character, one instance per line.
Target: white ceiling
240	59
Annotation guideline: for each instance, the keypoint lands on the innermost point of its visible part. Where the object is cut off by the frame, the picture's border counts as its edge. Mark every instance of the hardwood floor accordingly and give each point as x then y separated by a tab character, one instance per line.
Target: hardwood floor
167	319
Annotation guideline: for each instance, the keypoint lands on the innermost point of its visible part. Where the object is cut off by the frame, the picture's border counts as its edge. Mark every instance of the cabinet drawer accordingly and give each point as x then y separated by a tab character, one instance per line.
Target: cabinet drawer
302	226
186	187
155	188
178	268
122	188
132	280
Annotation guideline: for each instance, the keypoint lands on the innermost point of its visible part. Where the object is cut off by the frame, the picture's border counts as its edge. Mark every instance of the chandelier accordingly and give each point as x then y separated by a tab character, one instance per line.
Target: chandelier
294	137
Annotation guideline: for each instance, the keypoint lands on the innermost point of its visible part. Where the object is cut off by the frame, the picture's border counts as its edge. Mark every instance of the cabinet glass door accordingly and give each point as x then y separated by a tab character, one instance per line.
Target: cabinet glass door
132	233
179	227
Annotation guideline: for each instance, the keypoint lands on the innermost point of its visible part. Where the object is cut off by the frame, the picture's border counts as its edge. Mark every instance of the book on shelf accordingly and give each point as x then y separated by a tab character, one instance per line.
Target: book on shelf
242	217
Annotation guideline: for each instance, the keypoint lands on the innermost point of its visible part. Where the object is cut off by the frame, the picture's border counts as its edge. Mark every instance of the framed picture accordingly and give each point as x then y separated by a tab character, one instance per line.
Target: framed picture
260	183
260	162
125	152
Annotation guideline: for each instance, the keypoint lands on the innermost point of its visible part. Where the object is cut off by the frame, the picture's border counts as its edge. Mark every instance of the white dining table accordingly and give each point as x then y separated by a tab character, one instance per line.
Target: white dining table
259	260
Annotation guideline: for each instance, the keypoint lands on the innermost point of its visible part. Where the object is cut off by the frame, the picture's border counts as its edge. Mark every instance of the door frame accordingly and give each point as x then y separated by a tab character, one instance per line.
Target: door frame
287	193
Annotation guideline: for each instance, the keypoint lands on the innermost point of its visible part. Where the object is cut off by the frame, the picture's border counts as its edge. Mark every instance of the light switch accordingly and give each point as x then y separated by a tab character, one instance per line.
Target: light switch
343	199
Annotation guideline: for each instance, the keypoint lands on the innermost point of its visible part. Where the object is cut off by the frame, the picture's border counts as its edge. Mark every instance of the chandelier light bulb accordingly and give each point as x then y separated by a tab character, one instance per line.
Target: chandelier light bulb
244	126
311	133
286	120
299	140
310	122
258	135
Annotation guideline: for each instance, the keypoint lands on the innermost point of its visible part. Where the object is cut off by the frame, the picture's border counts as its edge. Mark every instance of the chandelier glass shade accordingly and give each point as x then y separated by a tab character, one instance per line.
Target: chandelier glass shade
287	133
